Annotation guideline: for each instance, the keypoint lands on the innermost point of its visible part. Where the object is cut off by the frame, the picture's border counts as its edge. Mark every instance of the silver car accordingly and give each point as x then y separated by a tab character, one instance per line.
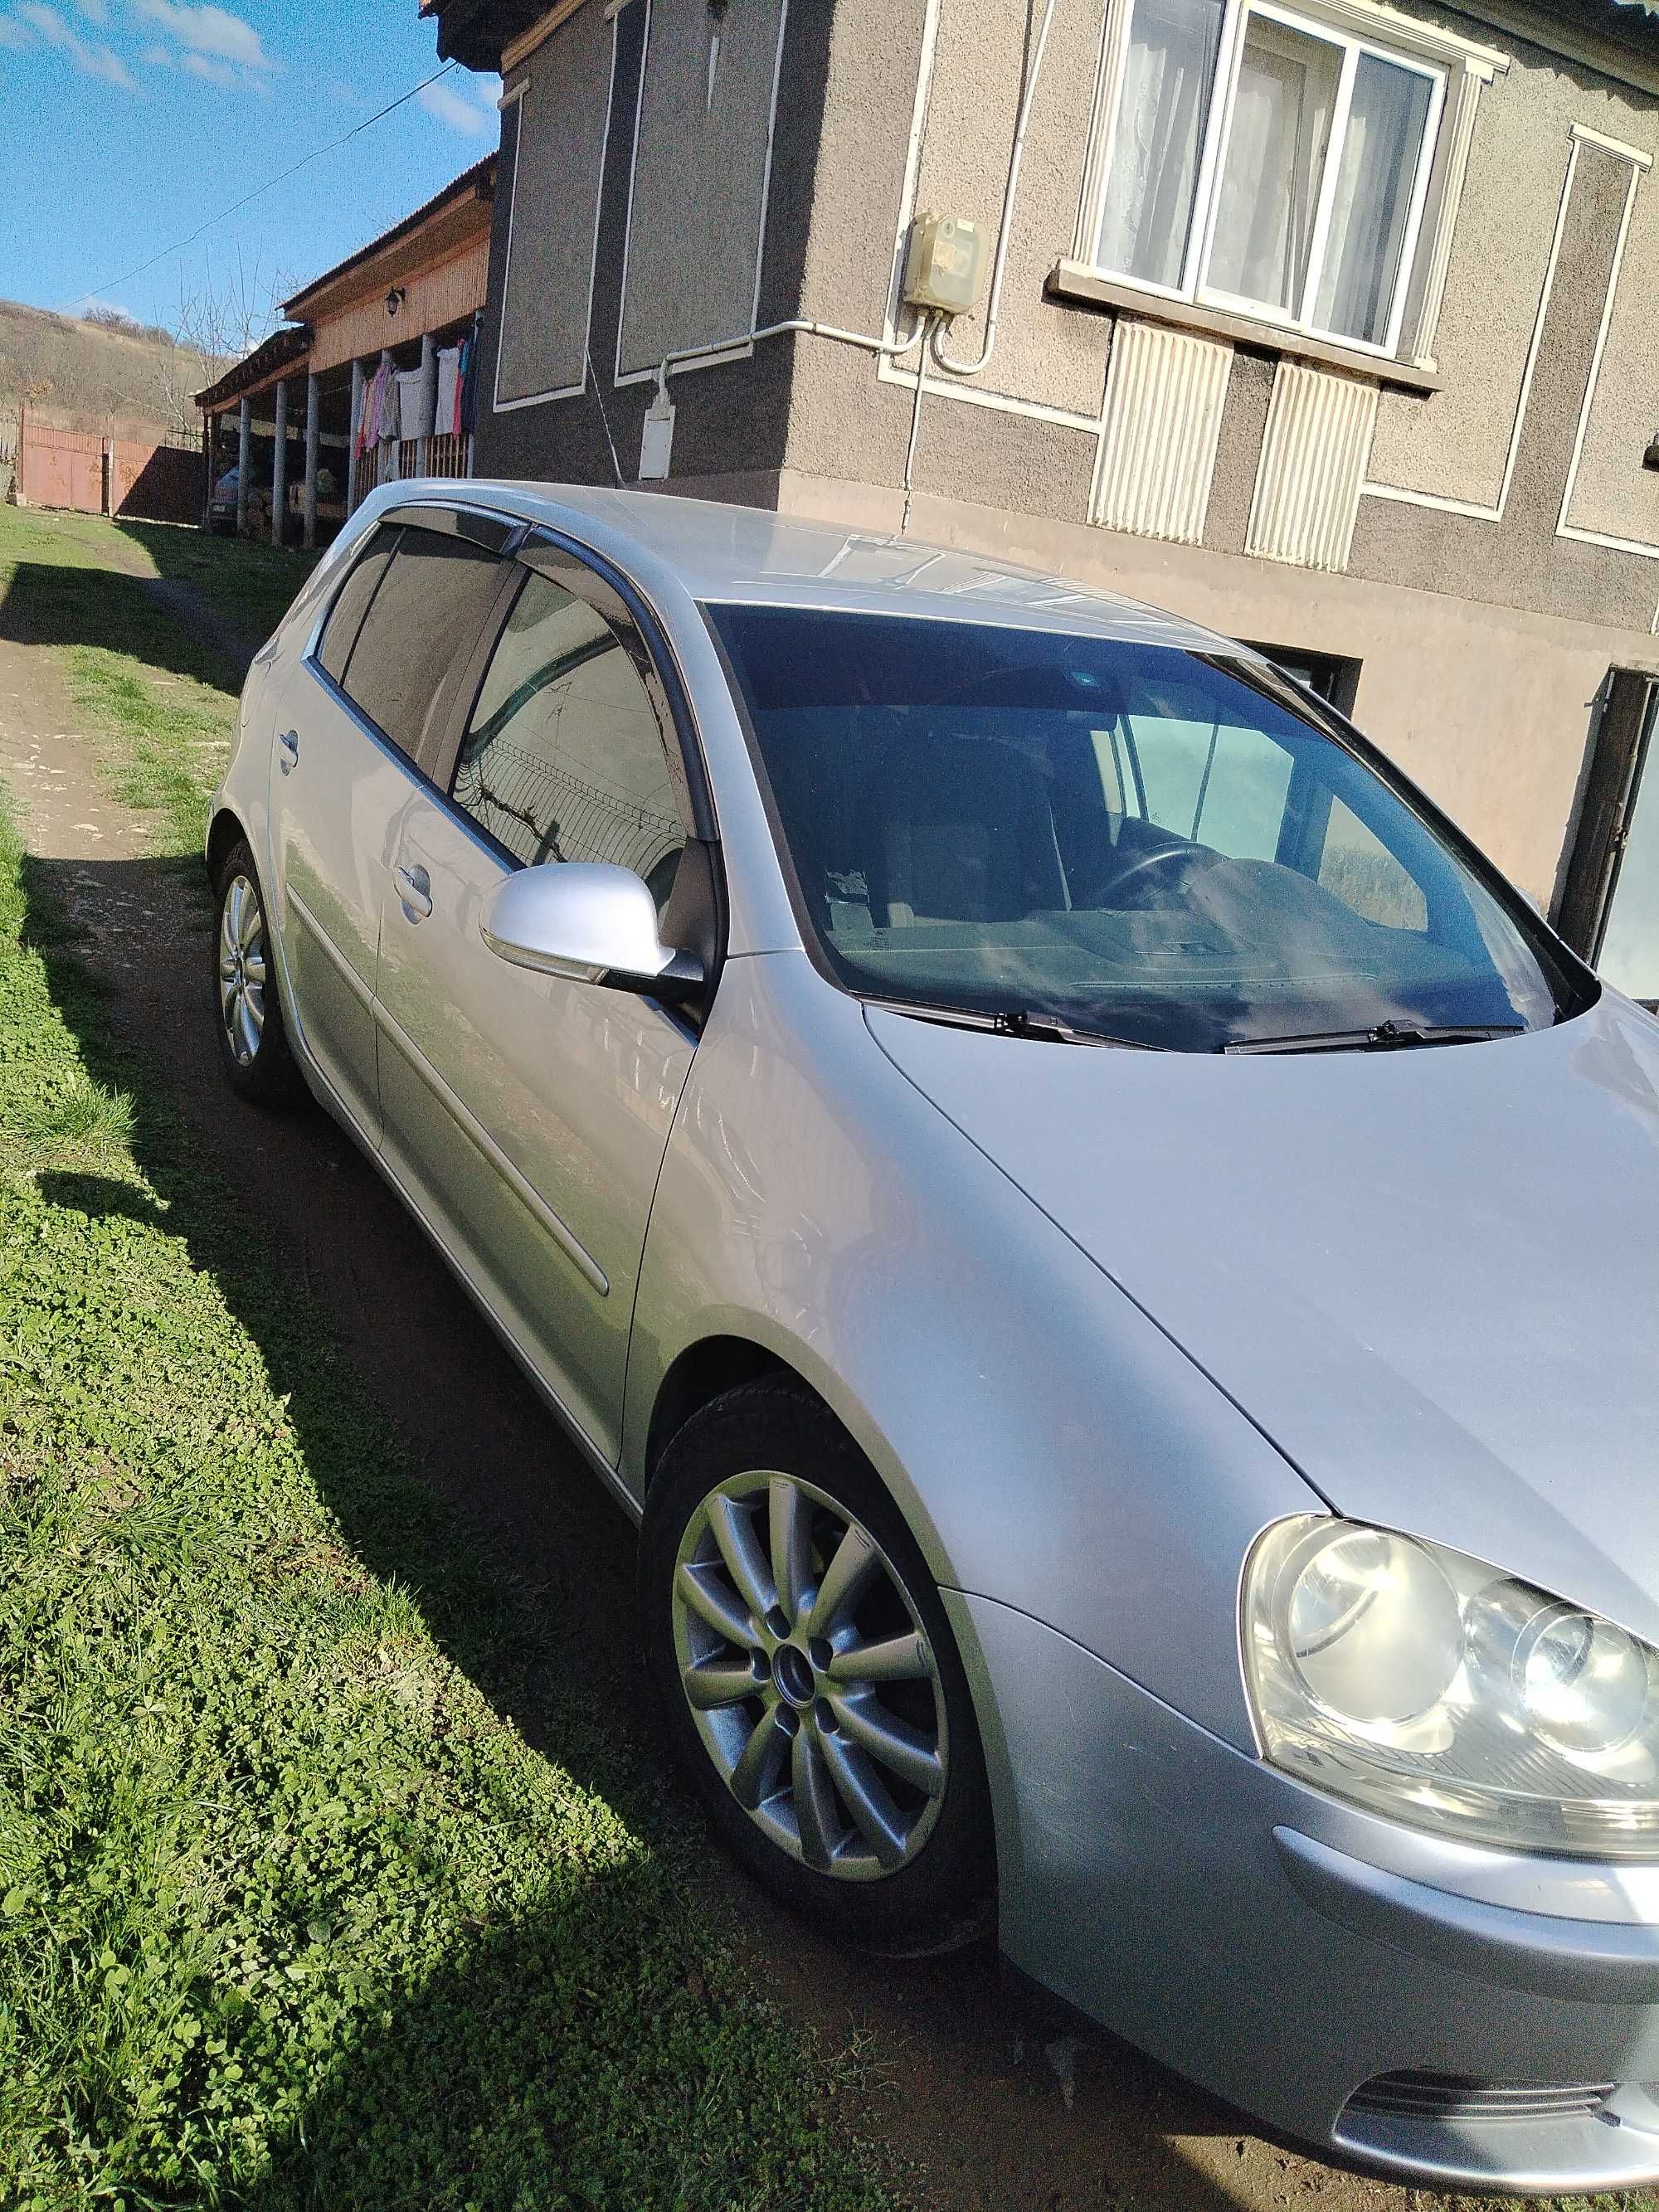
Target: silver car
1116	1261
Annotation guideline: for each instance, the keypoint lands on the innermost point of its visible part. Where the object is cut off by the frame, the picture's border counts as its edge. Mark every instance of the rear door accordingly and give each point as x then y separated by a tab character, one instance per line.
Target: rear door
530	1114
358	717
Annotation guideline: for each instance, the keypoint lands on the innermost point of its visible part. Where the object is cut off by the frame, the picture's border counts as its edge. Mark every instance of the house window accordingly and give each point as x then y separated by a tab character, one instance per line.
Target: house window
1268	161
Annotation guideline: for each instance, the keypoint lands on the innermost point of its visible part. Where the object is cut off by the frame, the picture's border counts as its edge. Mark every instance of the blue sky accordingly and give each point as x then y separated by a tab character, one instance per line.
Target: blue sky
124	124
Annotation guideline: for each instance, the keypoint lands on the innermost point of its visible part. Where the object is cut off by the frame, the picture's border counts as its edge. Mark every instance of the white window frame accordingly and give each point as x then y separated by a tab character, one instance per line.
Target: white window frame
1455	68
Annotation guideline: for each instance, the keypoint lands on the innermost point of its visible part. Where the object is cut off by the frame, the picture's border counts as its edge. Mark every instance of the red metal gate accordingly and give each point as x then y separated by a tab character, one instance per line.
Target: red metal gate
158	484
60	468
95	474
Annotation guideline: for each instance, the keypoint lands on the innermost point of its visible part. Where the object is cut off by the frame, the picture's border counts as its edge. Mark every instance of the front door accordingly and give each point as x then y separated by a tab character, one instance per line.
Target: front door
355	722
1629	957
530	1115
1610	905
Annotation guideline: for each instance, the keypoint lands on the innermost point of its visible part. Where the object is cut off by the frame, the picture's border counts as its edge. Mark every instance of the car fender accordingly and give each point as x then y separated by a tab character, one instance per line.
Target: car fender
1050	1447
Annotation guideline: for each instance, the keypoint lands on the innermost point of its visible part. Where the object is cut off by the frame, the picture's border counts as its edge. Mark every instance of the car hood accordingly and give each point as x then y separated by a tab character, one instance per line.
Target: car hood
1430	1277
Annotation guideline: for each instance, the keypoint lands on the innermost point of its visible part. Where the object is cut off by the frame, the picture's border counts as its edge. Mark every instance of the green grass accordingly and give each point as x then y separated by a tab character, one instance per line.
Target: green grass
252	587
161	702
292	1914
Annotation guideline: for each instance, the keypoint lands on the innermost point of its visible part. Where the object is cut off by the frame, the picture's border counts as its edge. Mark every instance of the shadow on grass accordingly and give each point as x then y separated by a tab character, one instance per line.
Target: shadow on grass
512	2074
53	605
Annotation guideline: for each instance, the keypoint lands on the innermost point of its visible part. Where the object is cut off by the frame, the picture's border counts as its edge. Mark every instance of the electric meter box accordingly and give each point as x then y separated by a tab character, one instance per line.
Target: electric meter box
943	268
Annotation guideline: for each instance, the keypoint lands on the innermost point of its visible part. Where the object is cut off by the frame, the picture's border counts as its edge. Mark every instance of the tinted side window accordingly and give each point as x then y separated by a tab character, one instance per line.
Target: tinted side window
424	622
562	758
345	619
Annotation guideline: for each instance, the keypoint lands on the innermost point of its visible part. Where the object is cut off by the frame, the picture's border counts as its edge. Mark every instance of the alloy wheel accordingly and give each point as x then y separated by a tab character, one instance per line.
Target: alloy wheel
810	1676
242	969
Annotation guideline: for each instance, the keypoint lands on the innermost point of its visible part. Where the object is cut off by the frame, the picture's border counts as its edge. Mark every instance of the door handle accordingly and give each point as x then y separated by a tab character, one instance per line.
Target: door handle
415	890
287	751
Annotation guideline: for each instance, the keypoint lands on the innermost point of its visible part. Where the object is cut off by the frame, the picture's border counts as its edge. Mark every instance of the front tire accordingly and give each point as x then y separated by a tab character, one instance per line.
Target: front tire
808	1679
254	1045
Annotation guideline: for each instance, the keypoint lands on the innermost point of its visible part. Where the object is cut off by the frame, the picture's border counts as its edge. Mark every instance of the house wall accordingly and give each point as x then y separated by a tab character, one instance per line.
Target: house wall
1451	538
653	279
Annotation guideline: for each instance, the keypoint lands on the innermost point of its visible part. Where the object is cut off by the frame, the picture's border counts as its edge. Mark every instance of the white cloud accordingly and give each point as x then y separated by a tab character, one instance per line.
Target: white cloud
212	72
91	60
214	32
13	34
446	104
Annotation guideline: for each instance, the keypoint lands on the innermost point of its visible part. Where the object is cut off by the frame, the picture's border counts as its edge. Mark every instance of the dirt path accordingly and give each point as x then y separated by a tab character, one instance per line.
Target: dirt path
1002	2107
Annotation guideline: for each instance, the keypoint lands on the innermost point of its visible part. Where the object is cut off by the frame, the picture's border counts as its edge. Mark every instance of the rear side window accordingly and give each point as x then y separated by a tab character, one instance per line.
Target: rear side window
346	617
563	759
421	626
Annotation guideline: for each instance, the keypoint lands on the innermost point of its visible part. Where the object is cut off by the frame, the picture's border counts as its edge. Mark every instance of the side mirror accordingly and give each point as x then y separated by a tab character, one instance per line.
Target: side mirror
591	922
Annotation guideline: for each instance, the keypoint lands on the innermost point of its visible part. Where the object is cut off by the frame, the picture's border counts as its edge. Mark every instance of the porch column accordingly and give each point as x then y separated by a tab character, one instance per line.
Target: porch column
244	462
207	466
279	466
391	402
428	401
355	427
314	402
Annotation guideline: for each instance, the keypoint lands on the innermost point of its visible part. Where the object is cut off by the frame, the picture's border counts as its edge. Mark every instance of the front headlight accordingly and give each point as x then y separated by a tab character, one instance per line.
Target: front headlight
1426	1685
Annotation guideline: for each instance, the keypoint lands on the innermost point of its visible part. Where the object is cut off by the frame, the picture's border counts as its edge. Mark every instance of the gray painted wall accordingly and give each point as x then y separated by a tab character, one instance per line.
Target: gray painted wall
700	176
548	196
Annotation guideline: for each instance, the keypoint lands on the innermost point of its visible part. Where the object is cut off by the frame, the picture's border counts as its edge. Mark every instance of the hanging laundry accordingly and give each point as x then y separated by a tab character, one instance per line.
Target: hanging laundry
470	386
449	378
373	406
414	404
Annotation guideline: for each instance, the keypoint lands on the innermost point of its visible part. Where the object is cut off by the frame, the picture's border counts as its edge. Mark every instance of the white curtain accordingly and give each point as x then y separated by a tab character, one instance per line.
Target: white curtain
1380	153
1274	159
1156	147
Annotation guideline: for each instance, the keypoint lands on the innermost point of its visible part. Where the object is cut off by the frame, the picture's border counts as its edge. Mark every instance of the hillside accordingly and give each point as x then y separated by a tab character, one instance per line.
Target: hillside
89	368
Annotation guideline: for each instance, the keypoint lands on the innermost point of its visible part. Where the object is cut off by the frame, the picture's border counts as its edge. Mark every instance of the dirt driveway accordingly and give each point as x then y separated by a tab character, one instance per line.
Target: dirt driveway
1000	2106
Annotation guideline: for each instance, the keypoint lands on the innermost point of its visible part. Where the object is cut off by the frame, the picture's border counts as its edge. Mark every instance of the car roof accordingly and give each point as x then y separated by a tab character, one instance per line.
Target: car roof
720	553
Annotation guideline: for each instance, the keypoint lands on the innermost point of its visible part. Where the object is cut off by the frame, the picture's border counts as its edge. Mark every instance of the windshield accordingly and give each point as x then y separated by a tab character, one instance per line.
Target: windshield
1121	837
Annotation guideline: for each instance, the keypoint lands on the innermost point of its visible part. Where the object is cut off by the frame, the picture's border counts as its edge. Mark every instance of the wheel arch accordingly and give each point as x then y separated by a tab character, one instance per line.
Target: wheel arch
701	1373
224	830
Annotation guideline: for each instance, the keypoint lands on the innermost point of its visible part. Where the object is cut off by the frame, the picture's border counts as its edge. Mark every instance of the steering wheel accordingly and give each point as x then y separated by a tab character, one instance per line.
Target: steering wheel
1183	853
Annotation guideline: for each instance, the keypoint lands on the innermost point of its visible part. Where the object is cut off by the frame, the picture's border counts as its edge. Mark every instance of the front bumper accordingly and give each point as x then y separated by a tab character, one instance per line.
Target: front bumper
1448	2014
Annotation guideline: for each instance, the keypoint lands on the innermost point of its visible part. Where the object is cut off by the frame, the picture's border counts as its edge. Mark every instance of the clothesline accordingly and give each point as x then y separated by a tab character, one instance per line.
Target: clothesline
395	402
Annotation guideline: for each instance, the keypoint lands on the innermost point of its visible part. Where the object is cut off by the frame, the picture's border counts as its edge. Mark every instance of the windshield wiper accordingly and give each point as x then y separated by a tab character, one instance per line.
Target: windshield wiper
1386	1036
1025	1022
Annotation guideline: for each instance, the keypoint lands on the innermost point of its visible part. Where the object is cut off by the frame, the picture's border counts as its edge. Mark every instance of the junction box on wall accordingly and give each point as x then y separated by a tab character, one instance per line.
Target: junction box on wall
945	264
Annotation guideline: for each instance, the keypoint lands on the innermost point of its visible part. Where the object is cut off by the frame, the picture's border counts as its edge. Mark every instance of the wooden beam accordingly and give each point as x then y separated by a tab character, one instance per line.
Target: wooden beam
521	48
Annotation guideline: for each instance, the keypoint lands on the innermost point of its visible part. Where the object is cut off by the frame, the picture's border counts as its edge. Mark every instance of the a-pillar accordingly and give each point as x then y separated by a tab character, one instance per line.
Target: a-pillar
244	463
314	425
279	467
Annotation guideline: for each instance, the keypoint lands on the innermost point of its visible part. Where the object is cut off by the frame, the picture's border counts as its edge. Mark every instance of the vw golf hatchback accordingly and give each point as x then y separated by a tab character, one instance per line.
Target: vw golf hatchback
1116	1261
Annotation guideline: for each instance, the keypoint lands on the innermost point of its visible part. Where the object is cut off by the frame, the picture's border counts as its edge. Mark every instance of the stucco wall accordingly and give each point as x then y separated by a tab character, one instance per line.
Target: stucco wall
551	184
700	175
1456	444
1612	492
733	420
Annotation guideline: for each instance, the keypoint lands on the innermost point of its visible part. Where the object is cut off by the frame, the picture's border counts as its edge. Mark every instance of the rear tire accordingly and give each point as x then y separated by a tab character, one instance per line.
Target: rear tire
809	1683
254	1045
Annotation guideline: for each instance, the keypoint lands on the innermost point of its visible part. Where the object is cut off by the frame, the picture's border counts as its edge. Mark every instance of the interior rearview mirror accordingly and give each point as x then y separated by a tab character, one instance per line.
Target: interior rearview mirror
591	922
